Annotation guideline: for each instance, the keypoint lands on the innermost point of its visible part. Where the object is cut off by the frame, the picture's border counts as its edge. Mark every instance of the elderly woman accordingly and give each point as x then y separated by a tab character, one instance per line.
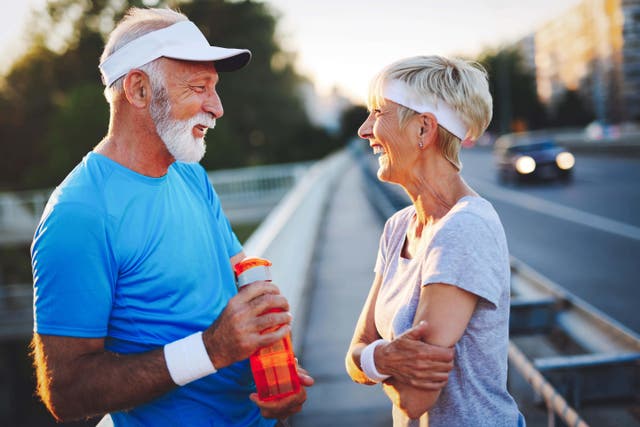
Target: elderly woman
442	272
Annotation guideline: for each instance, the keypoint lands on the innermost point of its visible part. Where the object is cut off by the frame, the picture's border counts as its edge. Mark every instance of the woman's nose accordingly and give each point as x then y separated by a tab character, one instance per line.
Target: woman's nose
366	130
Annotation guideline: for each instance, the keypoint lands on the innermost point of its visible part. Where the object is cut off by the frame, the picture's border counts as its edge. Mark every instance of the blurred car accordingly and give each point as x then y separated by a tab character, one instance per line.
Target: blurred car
533	160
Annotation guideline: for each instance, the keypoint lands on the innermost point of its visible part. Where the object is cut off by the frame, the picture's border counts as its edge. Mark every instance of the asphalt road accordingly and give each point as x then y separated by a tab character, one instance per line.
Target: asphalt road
585	235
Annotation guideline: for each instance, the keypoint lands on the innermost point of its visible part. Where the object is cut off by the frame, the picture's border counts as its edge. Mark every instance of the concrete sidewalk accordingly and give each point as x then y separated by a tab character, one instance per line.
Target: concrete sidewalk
341	275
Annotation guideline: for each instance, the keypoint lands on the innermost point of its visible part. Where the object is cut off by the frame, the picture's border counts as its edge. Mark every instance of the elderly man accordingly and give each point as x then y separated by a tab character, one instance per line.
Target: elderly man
136	309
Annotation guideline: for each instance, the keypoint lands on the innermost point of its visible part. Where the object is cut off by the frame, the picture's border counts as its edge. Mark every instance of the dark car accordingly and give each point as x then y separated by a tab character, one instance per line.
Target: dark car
532	160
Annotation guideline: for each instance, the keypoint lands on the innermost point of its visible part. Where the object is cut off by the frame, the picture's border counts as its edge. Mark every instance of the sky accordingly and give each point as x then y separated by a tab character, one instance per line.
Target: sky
343	43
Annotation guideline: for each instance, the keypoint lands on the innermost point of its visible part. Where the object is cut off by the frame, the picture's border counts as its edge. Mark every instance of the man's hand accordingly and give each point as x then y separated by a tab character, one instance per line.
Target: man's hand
410	360
237	332
287	406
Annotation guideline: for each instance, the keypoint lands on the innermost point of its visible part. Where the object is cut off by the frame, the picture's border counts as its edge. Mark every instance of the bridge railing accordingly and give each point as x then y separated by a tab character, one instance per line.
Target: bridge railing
248	194
19	214
288	235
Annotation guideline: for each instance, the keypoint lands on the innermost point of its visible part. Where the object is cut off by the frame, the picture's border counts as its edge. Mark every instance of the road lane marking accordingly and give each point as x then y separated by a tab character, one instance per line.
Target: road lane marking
556	210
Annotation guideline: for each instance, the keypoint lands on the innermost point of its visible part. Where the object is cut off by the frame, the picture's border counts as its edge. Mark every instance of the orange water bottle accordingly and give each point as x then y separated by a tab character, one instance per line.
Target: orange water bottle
274	366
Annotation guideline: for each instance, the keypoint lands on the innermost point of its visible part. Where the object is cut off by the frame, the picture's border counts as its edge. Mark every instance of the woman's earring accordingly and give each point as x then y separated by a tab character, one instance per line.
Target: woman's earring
420	144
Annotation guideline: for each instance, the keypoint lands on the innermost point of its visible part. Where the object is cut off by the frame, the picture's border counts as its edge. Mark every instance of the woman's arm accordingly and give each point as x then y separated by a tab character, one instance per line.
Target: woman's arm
447	310
408	358
364	334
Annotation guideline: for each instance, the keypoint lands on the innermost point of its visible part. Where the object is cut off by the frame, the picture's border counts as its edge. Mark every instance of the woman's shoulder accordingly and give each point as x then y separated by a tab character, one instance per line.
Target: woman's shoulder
472	211
472	219
400	219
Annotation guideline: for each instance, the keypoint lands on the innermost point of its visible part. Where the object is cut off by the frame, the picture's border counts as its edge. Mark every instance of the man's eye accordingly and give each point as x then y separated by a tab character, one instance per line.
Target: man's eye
199	89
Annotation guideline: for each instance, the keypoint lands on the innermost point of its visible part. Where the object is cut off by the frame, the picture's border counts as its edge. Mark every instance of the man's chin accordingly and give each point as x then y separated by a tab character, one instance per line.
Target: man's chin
193	154
198	152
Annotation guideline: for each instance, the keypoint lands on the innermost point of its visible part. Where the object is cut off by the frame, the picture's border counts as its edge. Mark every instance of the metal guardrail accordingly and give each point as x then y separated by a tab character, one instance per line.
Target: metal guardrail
247	184
16	311
588	358
571	354
19	214
248	194
551	397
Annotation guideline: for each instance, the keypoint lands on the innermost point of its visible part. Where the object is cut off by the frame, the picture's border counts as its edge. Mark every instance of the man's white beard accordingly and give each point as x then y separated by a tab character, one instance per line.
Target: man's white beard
177	135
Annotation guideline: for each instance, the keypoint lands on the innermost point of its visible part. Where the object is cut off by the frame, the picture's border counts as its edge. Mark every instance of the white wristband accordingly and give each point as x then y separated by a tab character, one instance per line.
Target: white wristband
368	364
187	359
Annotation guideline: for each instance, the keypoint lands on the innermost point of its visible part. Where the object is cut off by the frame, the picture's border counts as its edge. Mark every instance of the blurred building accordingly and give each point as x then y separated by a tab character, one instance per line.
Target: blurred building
593	48
631	58
324	110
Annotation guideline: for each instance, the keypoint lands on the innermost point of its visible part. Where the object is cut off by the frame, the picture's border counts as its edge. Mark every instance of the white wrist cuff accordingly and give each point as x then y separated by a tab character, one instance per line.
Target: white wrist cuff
187	359
368	364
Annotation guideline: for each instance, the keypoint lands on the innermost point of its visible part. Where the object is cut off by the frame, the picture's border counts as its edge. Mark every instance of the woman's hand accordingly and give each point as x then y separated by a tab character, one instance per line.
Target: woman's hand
410	360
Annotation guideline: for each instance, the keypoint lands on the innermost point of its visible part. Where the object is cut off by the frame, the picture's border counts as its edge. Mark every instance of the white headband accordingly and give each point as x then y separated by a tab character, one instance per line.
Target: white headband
178	41
401	93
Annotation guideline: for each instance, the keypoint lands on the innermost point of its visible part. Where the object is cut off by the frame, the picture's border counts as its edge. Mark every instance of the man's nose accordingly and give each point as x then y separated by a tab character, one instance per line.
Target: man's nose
213	105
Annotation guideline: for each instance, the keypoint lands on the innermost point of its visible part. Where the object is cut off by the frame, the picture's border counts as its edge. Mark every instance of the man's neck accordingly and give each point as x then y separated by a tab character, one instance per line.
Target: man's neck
134	143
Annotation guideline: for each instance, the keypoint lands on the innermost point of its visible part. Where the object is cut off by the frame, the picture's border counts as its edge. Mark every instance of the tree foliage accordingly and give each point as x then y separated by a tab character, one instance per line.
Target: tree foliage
513	87
572	110
52	111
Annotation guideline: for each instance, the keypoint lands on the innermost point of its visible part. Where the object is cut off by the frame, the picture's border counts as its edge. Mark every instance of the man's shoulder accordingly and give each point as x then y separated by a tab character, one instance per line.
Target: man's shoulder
80	191
83	183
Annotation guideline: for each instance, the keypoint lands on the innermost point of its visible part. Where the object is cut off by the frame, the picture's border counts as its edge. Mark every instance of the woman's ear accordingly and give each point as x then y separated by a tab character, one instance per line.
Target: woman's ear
137	88
428	129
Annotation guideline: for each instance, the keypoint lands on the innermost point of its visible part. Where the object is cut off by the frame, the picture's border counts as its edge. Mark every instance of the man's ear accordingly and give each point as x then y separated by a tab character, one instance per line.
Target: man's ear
137	88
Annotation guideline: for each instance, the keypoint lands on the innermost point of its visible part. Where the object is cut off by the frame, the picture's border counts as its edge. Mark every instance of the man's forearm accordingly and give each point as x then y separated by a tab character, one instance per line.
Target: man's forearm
97	382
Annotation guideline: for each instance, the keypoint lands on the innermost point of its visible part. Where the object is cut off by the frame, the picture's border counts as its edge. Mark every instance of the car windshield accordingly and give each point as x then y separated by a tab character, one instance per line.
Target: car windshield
538	146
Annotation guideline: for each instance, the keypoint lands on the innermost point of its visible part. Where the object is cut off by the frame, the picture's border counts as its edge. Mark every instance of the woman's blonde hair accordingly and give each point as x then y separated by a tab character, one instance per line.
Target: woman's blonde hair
461	84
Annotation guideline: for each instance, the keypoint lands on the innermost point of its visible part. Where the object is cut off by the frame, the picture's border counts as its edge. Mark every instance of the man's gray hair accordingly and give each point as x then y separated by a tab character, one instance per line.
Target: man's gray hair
136	23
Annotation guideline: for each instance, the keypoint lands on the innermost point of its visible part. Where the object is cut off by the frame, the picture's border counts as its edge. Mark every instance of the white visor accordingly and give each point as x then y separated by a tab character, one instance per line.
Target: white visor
401	93
178	41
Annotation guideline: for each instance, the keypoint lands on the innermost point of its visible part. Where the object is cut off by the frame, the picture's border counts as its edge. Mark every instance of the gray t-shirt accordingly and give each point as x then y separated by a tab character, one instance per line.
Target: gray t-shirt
466	248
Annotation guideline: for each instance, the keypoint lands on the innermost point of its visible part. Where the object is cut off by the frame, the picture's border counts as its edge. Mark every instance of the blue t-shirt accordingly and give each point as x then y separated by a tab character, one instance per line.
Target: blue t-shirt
142	262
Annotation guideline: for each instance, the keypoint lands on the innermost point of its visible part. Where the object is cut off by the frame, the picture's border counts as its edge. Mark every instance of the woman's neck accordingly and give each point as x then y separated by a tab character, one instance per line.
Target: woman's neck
434	194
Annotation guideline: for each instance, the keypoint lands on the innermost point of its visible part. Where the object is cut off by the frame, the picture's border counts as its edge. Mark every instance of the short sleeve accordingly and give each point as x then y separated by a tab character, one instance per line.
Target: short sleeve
231	242
381	259
74	273
465	253
392	238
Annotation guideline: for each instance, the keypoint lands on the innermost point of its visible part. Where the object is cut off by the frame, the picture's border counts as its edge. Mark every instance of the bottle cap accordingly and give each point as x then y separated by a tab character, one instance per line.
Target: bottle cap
252	269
